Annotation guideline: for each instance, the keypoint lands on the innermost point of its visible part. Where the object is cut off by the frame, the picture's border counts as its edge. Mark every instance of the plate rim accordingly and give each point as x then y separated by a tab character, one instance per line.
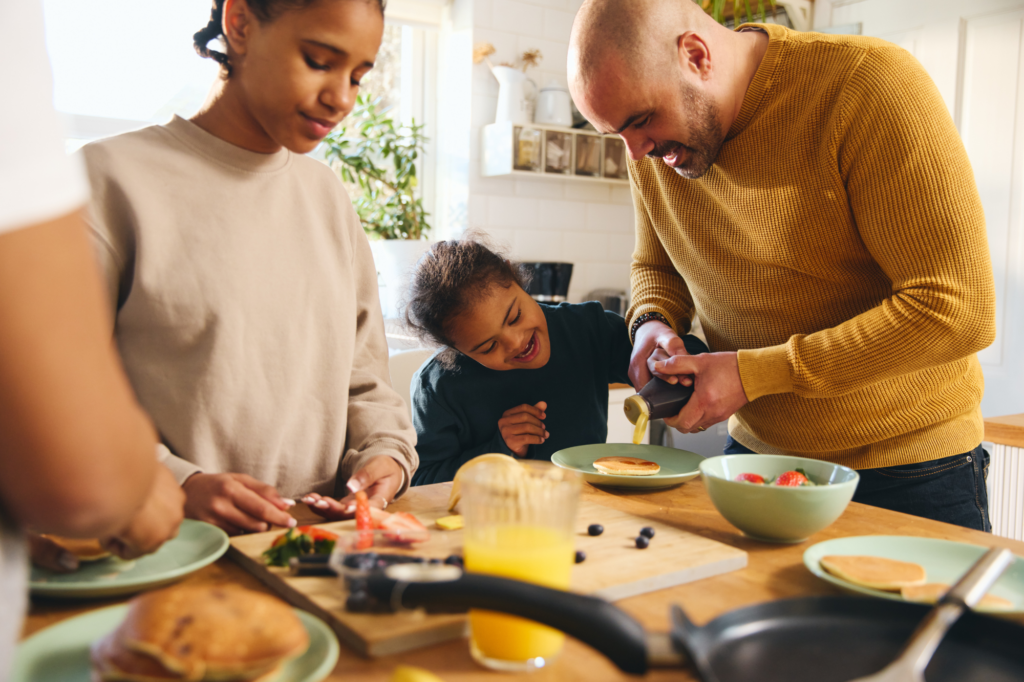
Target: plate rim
665	478
309	621
812	563
84	588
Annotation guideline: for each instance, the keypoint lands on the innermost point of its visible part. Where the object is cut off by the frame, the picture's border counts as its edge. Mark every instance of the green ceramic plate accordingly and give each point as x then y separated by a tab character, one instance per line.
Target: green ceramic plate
944	561
60	653
677	466
198	544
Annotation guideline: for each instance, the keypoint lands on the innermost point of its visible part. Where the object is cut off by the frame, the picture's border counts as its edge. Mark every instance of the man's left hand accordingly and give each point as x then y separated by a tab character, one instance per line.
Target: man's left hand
718	390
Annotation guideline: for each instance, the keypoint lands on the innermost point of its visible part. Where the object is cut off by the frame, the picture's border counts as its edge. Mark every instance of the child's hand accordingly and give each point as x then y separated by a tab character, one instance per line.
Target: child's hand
523	426
380	478
236	503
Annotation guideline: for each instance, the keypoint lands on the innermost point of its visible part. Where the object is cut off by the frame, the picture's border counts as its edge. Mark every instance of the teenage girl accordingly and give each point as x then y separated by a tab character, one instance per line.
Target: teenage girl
473	396
245	293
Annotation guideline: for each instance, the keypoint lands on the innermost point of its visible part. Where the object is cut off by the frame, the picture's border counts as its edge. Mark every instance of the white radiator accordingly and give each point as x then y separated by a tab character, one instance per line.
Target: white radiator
1006	490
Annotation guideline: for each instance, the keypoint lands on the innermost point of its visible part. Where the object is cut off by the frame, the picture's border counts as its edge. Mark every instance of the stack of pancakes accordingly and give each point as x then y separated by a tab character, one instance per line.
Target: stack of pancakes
85	550
195	634
626	466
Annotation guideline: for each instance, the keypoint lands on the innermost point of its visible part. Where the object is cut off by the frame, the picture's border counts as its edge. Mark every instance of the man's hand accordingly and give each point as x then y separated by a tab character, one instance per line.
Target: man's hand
523	426
381	478
718	390
155	523
237	503
654	341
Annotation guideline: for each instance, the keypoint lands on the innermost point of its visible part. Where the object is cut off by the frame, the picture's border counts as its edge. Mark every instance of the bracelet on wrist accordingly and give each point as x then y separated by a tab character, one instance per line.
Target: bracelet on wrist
646	317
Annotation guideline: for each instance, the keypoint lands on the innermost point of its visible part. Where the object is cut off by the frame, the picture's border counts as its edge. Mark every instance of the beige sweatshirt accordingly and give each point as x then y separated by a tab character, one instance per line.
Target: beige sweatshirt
247	312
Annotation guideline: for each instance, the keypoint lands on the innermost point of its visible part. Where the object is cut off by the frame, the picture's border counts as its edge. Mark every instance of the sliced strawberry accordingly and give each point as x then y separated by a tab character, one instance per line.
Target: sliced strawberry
379	516
364	521
751	478
404	527
317	533
791	479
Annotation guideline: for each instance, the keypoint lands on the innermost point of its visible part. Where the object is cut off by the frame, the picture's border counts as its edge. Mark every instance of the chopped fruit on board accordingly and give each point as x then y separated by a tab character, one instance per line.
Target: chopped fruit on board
450	522
751	478
364	521
792	479
404	527
299	542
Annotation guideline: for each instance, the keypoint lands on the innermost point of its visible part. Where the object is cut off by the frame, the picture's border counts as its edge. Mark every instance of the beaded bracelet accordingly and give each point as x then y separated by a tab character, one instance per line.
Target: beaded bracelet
646	317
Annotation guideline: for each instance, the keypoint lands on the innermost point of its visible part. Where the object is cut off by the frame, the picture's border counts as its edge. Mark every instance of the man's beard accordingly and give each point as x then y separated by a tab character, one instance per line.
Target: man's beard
705	135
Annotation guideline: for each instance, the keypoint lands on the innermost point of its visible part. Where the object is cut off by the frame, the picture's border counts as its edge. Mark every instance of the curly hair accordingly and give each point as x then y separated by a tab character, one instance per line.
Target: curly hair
449	278
265	10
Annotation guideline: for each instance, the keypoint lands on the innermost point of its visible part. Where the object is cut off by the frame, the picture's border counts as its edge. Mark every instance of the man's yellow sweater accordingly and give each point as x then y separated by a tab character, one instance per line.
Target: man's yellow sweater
838	243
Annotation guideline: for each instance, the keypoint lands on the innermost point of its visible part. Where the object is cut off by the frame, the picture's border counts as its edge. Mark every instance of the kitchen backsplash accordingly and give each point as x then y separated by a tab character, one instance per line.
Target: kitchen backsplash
589	224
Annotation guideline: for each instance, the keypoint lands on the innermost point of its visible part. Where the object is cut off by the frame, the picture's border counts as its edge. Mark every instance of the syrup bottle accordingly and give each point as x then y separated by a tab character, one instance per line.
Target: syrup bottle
660	399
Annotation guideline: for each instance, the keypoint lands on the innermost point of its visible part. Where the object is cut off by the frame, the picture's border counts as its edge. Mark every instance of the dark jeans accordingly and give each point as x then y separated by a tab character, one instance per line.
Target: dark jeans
951	489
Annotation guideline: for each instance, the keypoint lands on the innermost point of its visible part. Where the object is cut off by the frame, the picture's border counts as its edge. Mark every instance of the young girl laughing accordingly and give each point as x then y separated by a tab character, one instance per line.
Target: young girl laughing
513	376
244	289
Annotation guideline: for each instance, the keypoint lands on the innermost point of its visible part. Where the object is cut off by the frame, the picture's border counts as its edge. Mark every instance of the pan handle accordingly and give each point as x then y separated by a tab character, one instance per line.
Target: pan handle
689	638
593	621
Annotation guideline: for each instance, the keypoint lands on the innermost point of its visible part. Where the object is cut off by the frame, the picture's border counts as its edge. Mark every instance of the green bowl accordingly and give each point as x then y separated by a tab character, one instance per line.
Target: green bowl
775	513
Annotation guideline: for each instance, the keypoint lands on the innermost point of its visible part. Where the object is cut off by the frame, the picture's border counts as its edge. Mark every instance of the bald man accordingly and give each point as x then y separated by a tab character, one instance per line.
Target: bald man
809	200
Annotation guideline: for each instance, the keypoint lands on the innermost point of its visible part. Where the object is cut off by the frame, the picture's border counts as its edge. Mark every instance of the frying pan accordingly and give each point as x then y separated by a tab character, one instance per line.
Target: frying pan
807	639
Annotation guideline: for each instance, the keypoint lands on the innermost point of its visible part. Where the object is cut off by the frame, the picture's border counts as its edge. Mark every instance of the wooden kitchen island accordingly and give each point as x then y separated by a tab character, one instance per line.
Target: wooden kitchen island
773	572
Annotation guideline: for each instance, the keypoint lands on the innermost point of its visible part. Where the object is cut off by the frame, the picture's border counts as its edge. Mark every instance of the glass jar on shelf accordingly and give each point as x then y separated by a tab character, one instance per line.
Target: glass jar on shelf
526	147
588	155
615	159
557	152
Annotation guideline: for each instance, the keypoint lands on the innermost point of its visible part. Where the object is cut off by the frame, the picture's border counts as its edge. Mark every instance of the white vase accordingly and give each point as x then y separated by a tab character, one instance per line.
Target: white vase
395	260
515	104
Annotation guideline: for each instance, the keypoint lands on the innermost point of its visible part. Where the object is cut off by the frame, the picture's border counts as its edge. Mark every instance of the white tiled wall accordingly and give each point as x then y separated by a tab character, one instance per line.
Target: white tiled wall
587	224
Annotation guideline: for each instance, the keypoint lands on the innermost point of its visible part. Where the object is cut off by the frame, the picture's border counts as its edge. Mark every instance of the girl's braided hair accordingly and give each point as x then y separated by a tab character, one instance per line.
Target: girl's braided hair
265	11
448	280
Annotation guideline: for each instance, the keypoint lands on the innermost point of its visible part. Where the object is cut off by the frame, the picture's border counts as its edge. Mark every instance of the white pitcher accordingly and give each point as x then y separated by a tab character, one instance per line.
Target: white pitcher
513	102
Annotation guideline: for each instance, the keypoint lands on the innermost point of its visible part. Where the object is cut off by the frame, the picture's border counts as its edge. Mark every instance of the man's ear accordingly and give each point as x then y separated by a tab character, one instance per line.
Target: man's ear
236	25
694	55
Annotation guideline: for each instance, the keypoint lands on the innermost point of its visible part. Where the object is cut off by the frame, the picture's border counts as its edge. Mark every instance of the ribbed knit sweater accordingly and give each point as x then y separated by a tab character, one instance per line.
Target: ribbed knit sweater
838	243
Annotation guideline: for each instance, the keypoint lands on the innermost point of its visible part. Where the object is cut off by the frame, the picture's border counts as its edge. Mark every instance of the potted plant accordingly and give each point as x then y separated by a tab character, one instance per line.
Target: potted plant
376	158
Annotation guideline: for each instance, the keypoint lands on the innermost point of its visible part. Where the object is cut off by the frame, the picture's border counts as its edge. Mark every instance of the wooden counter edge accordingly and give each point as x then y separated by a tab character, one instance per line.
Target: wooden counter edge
1006	430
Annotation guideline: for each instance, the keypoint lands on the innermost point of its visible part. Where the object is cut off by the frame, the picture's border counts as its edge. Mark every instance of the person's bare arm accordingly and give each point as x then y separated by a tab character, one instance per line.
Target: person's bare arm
77	454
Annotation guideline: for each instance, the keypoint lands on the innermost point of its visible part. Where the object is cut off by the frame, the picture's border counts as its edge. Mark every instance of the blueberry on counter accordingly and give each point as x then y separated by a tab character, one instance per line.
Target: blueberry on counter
581	556
642	541
595	529
647	532
455	560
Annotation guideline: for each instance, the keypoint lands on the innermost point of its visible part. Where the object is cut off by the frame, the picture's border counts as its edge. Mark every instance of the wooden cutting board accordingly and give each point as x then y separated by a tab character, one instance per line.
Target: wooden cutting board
614	569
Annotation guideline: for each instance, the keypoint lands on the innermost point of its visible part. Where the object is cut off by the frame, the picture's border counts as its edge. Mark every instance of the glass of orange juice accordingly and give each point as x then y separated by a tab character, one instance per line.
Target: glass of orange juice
519	524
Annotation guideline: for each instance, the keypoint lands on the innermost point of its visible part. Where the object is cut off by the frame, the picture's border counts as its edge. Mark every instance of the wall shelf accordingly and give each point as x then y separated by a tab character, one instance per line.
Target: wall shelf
551	152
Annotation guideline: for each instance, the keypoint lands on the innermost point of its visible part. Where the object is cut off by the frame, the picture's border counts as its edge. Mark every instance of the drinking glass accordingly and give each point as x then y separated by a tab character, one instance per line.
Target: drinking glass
519	524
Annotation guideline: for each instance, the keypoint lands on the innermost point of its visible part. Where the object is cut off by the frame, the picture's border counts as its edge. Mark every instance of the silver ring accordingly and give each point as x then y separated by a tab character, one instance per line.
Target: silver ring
385	502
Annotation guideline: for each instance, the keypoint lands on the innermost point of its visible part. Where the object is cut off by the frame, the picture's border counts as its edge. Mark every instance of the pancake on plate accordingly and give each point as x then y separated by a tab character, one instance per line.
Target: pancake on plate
875	572
930	593
200	633
626	466
85	550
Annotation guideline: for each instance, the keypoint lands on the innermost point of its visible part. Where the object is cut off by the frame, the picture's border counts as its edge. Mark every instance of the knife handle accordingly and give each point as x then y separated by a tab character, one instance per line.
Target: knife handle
593	621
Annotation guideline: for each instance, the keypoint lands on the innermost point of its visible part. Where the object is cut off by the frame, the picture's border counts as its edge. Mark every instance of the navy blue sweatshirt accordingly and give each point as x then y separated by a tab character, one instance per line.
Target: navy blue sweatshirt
456	412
